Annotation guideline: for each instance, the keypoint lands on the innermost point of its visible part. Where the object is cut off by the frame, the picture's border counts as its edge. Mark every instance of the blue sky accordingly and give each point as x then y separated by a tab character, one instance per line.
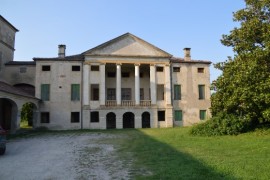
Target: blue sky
83	24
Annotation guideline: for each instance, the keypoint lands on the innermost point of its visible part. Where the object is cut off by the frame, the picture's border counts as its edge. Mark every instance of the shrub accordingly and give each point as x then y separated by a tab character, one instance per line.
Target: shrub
222	124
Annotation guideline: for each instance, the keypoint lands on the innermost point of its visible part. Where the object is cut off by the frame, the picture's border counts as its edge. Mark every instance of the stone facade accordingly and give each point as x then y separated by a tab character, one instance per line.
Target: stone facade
123	83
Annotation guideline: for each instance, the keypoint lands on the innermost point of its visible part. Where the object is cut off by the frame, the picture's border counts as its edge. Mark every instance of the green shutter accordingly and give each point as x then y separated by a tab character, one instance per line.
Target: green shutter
75	92
178	115
202	114
177	92
45	92
201	92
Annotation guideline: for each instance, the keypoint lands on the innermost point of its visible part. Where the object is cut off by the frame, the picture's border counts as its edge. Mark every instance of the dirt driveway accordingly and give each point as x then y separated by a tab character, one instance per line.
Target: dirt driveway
63	156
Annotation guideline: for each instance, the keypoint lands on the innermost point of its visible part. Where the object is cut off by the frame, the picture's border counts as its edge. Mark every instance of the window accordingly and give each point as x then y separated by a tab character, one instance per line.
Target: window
201	91
176	69
177	92
161	115
202	114
46	68
45	92
125	74
94	68
160	92
23	69
76	68
95	92
75	92
75	117
141	94
159	69
111	94
45	117
200	70
94	116
141	75
126	93
111	74
178	116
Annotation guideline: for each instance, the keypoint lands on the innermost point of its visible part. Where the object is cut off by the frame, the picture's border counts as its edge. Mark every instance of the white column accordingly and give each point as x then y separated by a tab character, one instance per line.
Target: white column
137	84
118	84
153	85
85	84
168	84
102	85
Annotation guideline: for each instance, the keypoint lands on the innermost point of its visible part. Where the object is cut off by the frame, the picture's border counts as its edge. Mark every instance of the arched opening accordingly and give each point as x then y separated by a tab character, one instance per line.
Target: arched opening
111	121
8	114
26	88
28	115
128	120
146	120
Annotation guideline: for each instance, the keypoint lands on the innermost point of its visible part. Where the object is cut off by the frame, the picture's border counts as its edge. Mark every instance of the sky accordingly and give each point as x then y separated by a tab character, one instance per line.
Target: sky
170	25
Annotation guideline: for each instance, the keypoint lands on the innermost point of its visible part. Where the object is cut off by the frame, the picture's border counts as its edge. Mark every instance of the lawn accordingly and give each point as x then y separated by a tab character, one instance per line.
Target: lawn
174	154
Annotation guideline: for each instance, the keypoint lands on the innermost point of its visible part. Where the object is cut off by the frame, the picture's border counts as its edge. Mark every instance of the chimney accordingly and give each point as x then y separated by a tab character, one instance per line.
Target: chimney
187	54
61	51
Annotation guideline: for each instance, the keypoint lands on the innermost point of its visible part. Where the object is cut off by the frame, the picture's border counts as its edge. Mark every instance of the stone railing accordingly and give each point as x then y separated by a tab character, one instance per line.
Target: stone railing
111	103
128	103
145	102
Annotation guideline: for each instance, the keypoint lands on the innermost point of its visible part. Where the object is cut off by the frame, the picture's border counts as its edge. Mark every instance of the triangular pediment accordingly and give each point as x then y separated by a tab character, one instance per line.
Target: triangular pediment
127	45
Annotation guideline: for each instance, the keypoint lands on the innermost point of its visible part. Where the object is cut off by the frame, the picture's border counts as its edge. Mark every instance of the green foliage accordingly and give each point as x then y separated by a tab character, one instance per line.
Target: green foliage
243	89
27	113
222	124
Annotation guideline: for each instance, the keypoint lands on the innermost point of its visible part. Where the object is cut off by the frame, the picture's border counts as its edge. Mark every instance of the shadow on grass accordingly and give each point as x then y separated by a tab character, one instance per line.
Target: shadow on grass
164	161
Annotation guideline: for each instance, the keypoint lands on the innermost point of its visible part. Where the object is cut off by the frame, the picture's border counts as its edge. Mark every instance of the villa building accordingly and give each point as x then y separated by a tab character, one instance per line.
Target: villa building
123	83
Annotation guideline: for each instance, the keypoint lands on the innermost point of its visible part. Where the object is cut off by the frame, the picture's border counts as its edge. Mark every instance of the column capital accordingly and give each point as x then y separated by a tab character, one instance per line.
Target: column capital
86	63
137	64
152	64
118	64
103	63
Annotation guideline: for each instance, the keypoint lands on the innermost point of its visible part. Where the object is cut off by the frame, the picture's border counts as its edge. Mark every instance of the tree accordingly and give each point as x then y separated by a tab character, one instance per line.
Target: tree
243	89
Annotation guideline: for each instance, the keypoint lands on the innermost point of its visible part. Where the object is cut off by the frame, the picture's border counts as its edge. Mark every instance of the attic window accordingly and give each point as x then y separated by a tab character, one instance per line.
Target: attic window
111	74
94	68
76	68
46	68
125	74
159	69
200	70
176	69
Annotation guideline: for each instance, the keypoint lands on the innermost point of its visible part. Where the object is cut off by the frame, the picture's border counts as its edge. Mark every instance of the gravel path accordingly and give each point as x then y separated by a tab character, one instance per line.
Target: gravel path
62	156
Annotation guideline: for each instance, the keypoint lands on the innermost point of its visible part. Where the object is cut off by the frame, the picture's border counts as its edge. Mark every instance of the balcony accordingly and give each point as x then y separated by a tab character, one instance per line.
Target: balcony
127	103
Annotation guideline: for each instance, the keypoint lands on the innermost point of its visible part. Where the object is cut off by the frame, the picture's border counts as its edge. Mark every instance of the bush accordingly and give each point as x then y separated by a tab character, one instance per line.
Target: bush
222	124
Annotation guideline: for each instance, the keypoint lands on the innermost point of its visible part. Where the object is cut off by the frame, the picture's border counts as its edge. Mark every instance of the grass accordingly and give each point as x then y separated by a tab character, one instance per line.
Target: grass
173	153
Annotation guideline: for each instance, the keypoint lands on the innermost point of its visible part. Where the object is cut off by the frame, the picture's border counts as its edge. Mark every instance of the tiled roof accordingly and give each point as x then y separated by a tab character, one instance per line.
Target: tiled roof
181	60
78	57
21	63
13	90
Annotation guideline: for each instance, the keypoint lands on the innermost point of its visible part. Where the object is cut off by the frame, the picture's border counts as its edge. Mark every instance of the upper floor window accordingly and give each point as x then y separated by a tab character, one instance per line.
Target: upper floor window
75	92
111	74
94	68
176	69
177	92
76	68
111	94
126	93
159	69
94	92
45	92
46	68
201	91
200	70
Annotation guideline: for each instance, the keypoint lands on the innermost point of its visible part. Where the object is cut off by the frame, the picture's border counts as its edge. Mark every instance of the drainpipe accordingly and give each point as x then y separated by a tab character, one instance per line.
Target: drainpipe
82	94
